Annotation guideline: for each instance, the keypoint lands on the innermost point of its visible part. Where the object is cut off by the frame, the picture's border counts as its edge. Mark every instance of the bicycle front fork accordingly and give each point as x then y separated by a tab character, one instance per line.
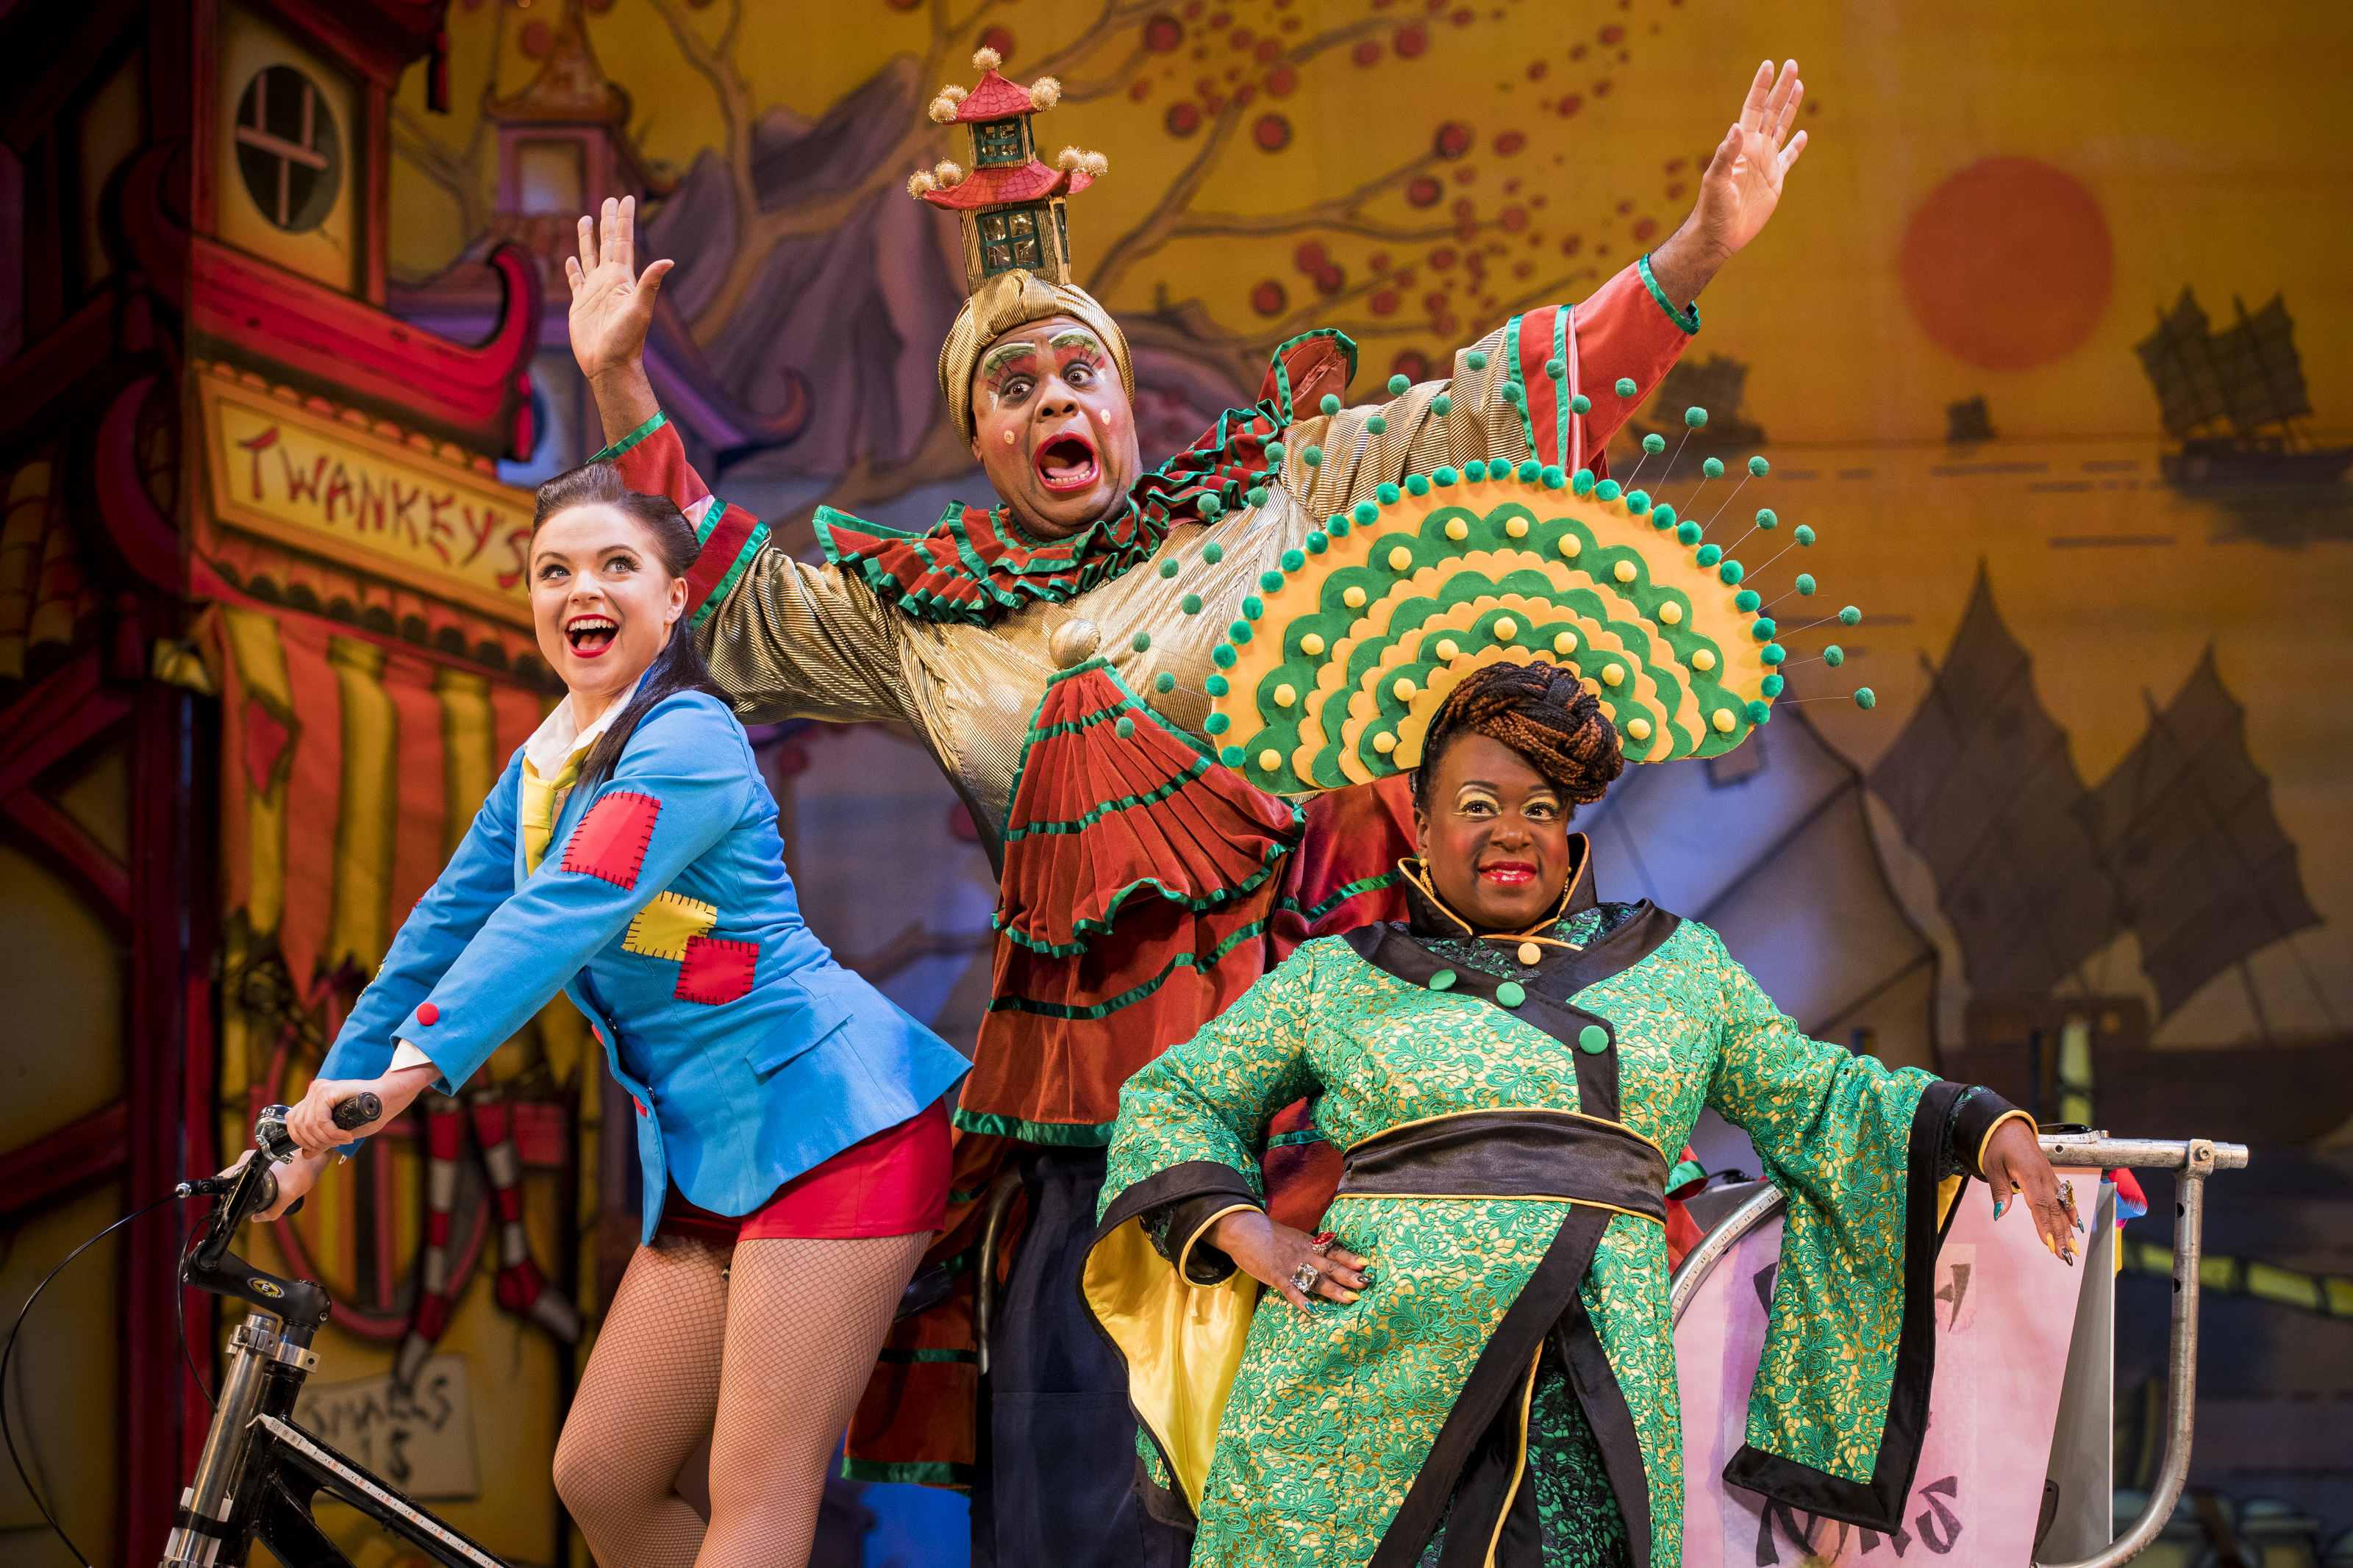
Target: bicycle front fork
266	1370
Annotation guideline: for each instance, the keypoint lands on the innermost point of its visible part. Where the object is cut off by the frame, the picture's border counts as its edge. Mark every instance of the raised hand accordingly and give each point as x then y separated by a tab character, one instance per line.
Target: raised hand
612	302
1742	184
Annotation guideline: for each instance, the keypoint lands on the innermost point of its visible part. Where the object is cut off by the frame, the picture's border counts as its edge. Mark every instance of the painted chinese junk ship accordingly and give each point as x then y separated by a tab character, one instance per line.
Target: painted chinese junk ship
1718	384
2232	398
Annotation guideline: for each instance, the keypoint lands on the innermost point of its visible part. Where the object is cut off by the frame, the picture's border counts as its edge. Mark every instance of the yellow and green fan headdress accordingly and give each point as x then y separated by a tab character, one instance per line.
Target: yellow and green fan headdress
1342	657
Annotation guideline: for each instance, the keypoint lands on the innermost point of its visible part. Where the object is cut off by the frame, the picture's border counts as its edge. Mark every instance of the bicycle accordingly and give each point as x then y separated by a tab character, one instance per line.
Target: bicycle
260	1473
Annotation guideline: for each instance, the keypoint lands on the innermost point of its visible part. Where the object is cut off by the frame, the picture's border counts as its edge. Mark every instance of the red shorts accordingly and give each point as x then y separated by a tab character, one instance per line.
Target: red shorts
893	1183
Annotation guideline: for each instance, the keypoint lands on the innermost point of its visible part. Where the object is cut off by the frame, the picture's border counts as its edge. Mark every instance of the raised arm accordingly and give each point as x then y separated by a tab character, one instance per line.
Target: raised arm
786	639
1512	395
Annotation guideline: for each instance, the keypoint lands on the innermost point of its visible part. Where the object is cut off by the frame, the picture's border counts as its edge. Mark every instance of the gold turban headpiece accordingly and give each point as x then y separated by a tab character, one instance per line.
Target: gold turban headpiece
1011	300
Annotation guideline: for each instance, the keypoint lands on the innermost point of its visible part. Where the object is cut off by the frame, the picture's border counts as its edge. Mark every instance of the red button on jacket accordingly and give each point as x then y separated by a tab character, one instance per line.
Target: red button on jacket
427	1014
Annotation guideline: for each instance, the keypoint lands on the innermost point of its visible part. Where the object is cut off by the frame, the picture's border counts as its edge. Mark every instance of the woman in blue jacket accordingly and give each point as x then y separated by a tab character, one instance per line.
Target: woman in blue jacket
793	1117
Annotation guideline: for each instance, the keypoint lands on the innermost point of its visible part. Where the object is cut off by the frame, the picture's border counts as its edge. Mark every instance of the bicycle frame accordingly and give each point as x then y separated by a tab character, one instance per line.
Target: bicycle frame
260	1473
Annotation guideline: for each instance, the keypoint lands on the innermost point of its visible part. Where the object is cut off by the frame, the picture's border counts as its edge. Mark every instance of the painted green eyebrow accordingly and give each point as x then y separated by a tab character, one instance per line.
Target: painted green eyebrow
1075	339
1005	355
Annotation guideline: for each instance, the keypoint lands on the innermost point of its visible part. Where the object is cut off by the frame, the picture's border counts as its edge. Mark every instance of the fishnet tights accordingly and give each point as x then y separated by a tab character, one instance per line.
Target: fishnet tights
767	1363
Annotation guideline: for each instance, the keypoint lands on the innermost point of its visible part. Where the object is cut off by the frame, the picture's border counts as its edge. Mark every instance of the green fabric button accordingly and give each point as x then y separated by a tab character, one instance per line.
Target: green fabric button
1442	981
1593	1038
1510	994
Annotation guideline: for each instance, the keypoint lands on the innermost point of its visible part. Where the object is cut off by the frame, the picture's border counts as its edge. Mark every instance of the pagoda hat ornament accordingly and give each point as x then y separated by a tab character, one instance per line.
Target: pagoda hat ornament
1012	207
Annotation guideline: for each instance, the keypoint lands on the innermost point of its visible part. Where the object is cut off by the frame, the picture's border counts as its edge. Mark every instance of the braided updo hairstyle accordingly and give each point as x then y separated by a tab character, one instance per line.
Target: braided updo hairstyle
1540	710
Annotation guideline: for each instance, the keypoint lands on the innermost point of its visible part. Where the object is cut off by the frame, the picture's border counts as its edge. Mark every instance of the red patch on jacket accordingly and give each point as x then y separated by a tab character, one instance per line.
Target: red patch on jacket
715	971
611	840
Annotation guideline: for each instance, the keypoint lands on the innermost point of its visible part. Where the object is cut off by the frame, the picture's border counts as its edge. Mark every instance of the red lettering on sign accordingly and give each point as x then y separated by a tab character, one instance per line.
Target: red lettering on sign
339	488
515	544
482	535
369	514
257	446
298	488
402	517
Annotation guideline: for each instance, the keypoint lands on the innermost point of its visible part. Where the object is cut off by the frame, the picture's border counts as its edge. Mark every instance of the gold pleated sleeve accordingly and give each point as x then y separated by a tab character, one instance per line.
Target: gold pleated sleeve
1416	438
798	641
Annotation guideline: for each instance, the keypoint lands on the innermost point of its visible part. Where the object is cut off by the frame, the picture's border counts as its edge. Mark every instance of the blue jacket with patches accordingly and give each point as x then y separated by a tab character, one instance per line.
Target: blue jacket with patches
662	908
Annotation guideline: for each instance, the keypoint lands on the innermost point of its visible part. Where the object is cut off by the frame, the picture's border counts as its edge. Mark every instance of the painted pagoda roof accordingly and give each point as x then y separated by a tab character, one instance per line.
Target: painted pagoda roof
1003	185
994	98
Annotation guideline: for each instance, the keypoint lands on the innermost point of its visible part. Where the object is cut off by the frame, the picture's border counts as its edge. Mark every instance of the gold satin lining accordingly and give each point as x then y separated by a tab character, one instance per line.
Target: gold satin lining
1517	1110
1948	1192
1519	1465
1495	1198
1182	1342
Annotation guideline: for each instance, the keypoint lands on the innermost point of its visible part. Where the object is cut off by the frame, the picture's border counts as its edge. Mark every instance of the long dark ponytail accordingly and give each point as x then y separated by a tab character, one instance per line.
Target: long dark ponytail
679	666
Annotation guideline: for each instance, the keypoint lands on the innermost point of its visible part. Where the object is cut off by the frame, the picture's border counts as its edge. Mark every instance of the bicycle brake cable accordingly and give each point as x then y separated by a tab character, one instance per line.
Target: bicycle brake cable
180	1311
9	1353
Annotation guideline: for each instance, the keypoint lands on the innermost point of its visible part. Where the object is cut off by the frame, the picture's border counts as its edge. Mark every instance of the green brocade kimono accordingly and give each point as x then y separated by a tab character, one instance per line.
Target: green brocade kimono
1503	1128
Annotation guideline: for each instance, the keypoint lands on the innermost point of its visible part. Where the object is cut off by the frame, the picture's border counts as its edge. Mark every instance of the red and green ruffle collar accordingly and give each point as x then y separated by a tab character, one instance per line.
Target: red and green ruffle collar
977	563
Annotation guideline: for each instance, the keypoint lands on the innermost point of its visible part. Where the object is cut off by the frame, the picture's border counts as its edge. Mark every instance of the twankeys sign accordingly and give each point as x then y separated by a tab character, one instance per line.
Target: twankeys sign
312	481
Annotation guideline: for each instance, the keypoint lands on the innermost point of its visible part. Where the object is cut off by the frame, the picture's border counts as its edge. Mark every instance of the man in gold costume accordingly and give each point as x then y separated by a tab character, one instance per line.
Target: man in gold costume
1056	653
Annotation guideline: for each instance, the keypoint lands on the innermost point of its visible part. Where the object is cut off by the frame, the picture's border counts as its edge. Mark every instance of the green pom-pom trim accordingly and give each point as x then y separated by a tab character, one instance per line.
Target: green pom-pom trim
1759	467
1865	697
1834	655
1294	559
1805	535
1378	426
1385	493
1745	600
1759	711
1270	581
1223	655
1554	478
1168	568
1593	1039
1511	393
1318	541
1580	404
1762	628
1662	515
1337	526
1255	495
1476	359
1217	685
1124	729
1772	685
1331	404
1141	642
1529	470
1712	468
1709	554
1442	404
1312	456
1399	387
1767	518
1213	553
1805	584
1730	572
1581	482
1416	484
1626	388
1654	443
1638	501
1694	417
1772	653
1217	723
1510	993
1274	454
1850	616
1608	490
1442	981
1231	756
1367	513
1163	683
1190	604
1686	532
1252	606
1475	470
1557	369
1240	631
1211	509
1443	475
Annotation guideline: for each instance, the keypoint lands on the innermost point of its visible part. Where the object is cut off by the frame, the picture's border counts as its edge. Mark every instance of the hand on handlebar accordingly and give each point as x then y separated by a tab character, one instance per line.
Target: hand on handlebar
295	1178
311	1123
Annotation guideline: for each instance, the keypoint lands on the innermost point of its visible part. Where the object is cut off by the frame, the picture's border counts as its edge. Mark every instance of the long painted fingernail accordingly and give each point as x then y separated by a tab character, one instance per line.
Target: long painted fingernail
1997	1209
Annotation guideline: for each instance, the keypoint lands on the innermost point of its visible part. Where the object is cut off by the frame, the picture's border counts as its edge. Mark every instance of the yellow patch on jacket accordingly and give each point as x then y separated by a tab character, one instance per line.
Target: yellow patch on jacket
663	927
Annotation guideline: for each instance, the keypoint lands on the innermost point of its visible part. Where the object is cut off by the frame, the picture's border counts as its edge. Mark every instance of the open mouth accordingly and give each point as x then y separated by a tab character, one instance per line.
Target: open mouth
1067	463
591	634
1509	873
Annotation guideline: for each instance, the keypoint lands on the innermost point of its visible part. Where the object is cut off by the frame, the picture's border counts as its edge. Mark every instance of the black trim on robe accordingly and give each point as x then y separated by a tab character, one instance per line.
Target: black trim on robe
1192	1191
1508	1154
1878	1503
1972	1122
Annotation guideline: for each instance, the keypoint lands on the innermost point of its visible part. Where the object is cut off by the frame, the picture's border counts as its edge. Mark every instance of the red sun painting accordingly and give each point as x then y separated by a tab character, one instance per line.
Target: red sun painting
2008	264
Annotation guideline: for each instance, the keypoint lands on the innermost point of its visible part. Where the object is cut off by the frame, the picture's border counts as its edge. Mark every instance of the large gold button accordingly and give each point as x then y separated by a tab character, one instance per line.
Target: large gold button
1530	953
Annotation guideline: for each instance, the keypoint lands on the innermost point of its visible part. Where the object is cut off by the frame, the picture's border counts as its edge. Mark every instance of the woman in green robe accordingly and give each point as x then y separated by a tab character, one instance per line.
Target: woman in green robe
1476	1362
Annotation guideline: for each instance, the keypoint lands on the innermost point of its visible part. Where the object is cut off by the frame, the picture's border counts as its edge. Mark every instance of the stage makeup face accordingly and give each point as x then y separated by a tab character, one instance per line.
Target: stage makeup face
601	602
1052	426
1496	836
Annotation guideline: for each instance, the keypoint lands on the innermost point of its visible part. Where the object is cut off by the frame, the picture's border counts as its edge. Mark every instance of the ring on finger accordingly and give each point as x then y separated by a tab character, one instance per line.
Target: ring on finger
1303	1279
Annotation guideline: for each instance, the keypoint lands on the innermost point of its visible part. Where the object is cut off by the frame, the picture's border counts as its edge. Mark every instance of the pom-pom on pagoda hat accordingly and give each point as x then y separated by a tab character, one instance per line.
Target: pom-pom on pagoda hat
1013	209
